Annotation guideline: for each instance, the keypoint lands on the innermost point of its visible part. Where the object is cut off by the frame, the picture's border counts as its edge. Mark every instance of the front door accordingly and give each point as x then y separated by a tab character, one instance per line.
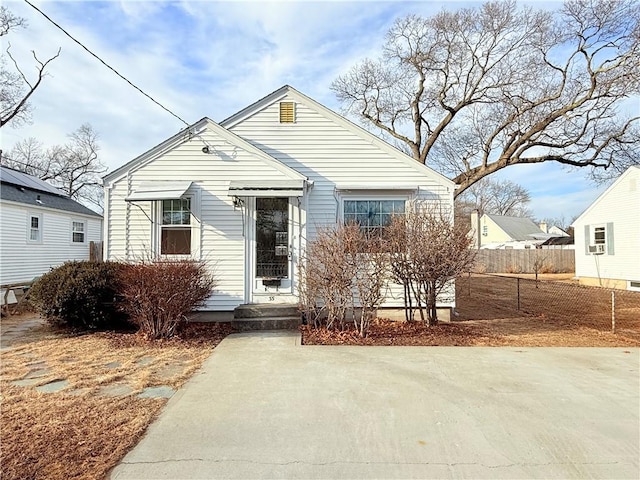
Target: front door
272	271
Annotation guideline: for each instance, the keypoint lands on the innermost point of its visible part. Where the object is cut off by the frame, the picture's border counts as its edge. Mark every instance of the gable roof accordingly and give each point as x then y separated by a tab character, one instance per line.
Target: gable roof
29	190
339	119
518	228
195	130
21	179
559	241
634	169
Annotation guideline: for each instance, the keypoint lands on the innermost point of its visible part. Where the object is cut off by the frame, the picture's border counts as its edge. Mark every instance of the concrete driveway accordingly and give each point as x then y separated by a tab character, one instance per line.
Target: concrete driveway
263	406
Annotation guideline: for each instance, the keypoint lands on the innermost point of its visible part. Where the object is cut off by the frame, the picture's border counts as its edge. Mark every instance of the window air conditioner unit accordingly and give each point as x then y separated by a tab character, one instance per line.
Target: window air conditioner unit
596	249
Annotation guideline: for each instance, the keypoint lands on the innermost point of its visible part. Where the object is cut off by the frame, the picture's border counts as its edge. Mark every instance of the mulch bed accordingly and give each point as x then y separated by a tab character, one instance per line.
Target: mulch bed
386	332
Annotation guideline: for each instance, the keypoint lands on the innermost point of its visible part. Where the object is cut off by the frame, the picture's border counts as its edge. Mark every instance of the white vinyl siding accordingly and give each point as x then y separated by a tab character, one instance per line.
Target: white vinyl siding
326	152
612	221
23	260
217	226
334	157
331	155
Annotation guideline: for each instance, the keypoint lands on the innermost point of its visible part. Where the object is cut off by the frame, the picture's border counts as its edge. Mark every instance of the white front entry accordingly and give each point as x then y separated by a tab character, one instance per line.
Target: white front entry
272	239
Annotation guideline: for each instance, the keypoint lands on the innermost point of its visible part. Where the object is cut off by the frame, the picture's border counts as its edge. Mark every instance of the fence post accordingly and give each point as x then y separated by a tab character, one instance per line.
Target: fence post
518	283
613	311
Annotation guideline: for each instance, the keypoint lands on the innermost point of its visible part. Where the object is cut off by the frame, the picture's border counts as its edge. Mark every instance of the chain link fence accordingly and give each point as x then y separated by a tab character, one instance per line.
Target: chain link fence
484	296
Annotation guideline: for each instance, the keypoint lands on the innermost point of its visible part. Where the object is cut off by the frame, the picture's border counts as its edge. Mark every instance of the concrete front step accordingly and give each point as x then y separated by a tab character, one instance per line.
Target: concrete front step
265	311
266	323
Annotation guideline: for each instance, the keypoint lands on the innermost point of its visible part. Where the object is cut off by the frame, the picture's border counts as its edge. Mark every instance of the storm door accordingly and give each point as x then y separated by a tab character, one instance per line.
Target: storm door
272	255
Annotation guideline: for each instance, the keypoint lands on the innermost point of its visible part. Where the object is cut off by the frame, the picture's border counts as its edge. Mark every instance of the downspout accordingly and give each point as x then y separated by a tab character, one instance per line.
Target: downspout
106	255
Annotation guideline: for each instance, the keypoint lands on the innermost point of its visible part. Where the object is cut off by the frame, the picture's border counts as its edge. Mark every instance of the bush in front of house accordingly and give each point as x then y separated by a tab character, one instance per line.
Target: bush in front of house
80	295
157	296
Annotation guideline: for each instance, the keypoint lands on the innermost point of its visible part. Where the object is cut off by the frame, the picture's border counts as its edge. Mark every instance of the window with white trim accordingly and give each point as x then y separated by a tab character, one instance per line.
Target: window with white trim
599	239
599	235
34	232
372	215
78	231
175	228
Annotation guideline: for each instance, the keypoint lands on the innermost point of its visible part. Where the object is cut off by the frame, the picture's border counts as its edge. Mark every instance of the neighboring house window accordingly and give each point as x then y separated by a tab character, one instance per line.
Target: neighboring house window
175	237
599	239
599	236
372	215
35	228
78	231
287	112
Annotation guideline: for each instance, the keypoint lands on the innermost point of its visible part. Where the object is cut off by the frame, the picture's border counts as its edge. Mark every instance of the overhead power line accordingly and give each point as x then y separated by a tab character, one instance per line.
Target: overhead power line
106	64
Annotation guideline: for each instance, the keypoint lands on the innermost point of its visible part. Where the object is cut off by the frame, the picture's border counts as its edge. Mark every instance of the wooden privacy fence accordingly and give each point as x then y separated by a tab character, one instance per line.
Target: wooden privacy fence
525	261
95	251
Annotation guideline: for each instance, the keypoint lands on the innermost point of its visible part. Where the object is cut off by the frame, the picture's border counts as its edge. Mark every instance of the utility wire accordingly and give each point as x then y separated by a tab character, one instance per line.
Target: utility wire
105	63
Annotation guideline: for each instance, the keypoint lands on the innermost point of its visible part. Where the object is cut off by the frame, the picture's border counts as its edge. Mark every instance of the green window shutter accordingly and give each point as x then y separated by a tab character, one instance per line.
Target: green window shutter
610	248
586	239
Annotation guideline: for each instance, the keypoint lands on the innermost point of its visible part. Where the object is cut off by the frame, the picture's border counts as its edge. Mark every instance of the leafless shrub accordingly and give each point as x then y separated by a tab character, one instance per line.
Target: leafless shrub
513	268
158	295
548	268
427	252
479	268
342	275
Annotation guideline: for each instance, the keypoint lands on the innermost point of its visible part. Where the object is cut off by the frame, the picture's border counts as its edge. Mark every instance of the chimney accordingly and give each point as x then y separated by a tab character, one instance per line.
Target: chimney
543	227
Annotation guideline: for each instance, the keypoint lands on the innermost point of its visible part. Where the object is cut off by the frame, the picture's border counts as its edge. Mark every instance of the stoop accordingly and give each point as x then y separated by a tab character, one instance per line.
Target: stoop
266	317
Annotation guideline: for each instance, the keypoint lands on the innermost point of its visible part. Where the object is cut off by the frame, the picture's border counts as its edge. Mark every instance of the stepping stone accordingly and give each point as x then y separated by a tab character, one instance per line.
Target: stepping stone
157	392
113	365
53	387
115	390
145	361
27	382
38	373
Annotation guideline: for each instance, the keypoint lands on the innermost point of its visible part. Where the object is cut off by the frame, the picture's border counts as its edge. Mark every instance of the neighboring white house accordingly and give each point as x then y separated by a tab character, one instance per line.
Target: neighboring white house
503	232
40	227
607	236
246	194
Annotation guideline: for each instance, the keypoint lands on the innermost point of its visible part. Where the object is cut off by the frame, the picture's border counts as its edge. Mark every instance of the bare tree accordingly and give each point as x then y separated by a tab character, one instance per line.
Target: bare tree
498	197
473	91
16	88
427	253
74	167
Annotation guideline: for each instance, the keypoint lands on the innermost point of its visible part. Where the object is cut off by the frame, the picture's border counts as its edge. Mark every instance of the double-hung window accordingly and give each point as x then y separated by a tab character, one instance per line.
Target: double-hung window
35	228
372	215
78	231
175	234
599	239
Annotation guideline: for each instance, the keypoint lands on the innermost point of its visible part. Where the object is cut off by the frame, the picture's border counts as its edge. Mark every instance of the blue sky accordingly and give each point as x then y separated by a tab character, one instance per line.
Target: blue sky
207	58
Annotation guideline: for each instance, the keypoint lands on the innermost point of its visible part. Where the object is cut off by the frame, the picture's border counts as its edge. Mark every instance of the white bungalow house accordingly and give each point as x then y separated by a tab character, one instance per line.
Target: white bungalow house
504	232
245	195
40	228
607	236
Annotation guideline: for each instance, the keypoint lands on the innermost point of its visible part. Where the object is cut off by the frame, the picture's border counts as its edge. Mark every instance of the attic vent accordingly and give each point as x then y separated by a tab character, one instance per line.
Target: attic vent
287	112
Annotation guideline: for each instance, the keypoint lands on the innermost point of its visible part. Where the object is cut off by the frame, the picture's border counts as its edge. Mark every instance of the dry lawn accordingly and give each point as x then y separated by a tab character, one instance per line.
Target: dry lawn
82	431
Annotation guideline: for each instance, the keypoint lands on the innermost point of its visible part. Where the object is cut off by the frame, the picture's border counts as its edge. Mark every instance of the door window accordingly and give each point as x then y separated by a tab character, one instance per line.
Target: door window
272	237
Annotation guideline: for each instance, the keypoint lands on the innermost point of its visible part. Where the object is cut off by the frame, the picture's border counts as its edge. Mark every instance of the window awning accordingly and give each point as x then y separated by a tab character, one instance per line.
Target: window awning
159	190
266	188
